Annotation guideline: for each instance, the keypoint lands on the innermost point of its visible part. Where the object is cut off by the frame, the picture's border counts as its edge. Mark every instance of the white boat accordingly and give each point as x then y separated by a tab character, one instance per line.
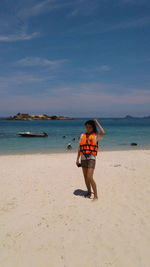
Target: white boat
30	134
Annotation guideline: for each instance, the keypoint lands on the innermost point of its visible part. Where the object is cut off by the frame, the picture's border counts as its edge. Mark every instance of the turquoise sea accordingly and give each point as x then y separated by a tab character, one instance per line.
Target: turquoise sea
120	132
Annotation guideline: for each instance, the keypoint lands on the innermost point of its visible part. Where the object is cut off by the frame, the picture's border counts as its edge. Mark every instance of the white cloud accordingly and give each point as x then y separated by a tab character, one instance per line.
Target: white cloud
147	59
93	98
38	8
95	94
139	22
76	7
84	7
105	68
97	27
11	83
32	9
87	7
102	68
77	102
134	2
37	61
18	37
13	26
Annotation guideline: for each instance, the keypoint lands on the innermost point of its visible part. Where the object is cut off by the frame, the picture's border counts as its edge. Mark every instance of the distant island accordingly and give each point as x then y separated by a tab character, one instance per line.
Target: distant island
131	117
27	117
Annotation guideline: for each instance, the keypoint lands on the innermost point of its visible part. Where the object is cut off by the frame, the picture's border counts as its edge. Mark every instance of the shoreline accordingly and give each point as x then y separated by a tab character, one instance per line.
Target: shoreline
72	152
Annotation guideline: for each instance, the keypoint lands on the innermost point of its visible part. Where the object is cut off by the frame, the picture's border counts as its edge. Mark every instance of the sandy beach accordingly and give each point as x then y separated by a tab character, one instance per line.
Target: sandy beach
45	221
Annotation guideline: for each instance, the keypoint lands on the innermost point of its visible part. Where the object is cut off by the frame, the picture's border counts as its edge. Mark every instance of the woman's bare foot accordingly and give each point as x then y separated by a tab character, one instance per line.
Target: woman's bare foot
95	198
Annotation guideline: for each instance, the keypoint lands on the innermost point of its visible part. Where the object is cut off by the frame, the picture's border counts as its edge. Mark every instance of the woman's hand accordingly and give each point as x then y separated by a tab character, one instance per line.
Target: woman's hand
102	132
96	122
78	157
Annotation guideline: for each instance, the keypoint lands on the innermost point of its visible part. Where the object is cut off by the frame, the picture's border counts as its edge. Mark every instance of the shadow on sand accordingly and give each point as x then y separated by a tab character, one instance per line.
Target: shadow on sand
80	192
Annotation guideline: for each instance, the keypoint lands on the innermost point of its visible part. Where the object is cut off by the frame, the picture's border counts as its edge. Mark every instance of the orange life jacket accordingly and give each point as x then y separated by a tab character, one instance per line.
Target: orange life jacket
88	144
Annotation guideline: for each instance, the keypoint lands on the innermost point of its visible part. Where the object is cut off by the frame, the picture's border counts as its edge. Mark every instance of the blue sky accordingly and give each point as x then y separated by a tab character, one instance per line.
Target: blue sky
80	58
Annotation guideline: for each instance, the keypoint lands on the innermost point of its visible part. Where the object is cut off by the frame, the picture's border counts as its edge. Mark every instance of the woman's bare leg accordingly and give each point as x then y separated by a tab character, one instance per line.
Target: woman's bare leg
87	182
90	172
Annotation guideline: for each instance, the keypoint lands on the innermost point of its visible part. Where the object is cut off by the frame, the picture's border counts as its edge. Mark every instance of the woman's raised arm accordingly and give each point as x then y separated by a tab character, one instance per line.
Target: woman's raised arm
102	132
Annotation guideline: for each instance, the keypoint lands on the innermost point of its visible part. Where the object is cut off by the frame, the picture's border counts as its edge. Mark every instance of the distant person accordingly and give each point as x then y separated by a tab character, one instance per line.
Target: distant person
88	148
69	146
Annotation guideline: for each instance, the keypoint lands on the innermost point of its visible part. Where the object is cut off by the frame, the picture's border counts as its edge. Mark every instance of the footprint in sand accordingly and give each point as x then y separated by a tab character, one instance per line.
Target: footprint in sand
117	165
10	239
43	222
8	206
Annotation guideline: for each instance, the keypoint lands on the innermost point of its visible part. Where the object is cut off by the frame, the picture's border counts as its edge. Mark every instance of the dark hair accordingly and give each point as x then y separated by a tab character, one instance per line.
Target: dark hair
92	123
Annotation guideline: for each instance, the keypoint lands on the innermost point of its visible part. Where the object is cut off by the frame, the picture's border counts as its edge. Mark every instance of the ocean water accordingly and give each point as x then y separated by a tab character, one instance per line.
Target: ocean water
120	132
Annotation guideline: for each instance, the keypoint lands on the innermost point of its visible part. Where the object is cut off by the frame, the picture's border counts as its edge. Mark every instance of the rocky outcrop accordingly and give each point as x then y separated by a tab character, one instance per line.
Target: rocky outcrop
133	144
26	116
128	117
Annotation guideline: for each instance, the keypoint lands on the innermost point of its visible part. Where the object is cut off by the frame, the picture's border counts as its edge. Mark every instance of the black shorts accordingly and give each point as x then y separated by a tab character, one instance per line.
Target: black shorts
88	163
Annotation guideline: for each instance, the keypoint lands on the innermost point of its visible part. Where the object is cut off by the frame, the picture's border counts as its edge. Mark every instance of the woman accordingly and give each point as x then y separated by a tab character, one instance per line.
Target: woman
88	149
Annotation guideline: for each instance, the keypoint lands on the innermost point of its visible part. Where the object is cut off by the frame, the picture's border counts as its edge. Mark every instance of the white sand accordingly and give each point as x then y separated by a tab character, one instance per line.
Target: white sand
43	224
